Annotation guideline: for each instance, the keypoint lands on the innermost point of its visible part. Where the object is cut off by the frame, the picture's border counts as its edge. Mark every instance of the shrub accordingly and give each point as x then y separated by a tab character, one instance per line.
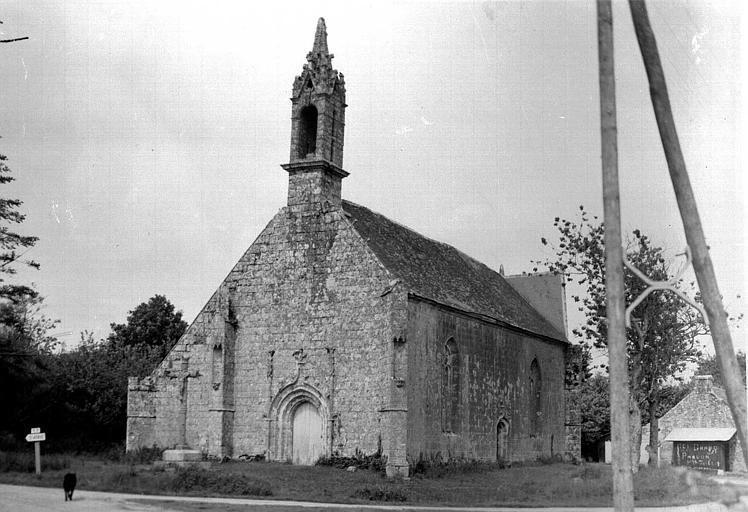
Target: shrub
381	492
375	462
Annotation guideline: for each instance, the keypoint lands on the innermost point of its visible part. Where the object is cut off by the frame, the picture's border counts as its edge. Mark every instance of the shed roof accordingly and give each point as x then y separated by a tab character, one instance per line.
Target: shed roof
701	434
439	272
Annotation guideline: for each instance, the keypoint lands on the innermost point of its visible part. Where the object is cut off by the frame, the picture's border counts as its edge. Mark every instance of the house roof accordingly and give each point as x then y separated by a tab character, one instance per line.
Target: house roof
439	272
700	434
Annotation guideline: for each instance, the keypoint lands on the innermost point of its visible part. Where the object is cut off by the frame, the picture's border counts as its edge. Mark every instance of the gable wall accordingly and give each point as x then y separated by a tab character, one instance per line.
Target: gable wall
304	306
494	383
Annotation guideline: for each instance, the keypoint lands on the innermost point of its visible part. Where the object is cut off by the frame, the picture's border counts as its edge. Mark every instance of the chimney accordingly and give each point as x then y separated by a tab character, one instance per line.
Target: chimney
704	383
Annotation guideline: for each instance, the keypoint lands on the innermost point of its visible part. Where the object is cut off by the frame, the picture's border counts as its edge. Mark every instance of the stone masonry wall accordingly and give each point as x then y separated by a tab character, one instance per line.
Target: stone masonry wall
494	373
310	320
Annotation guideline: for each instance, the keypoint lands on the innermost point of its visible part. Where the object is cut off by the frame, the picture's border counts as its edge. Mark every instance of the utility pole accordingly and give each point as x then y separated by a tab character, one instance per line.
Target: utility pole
702	262
623	479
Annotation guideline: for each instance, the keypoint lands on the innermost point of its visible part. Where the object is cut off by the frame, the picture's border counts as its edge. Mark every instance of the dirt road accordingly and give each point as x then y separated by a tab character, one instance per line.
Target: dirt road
15	498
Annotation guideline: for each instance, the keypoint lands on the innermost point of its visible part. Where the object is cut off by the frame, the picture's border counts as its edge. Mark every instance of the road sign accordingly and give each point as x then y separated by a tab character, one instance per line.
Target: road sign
35	436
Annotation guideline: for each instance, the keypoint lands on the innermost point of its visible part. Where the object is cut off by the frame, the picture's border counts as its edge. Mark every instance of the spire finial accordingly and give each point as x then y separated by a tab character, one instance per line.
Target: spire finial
320	38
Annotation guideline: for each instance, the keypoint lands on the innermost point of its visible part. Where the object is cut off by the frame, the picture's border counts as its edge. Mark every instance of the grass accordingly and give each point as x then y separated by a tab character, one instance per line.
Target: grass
478	485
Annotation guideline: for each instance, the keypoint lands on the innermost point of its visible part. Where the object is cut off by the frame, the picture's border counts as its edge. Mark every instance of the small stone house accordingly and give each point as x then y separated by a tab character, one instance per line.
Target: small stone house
341	330
701	422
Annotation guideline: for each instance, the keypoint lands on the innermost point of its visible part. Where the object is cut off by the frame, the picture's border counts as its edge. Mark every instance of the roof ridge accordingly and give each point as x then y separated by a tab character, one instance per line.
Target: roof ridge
528	274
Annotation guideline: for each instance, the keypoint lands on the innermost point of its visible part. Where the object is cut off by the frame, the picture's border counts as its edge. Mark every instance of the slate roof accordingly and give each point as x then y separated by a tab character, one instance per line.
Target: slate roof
439	272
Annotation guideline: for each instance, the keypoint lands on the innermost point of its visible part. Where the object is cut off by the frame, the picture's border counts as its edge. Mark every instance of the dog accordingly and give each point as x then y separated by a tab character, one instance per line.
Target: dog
68	485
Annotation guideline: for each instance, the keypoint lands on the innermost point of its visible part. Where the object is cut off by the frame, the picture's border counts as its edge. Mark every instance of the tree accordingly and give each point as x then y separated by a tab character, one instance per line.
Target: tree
12	242
24	338
92	379
153	324
707	365
663	336
595	408
25	345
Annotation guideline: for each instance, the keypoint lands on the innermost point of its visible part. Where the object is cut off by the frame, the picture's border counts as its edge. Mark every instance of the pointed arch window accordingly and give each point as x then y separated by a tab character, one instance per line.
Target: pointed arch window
535	408
307	131
450	387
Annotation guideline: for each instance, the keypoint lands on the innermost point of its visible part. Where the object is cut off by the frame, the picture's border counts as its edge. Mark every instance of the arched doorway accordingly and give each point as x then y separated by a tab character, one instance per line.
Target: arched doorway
502	441
296	409
307	443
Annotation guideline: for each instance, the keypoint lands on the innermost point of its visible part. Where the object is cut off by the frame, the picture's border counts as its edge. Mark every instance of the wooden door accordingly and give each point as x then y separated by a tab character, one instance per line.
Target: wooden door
308	444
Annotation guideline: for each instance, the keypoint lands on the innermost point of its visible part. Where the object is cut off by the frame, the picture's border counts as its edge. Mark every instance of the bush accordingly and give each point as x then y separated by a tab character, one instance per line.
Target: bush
380	493
194	478
375	462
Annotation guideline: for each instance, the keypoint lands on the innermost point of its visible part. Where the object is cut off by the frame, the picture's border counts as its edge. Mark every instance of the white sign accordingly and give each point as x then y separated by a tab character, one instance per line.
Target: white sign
36	430
36	437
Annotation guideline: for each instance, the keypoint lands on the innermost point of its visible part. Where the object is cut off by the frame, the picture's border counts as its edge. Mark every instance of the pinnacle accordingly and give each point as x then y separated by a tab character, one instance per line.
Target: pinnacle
320	38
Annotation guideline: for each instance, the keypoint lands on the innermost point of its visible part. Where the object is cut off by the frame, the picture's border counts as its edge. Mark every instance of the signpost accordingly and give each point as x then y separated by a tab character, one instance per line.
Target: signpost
36	436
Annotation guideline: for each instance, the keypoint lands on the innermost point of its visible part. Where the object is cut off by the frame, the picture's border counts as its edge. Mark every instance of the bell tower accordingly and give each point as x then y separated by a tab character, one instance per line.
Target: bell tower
317	129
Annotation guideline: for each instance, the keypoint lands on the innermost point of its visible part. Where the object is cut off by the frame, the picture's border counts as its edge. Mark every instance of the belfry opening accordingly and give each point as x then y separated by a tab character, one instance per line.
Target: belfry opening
308	131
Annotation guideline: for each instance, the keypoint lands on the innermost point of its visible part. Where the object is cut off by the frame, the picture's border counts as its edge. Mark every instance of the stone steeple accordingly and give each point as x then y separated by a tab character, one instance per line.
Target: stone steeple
317	129
320	39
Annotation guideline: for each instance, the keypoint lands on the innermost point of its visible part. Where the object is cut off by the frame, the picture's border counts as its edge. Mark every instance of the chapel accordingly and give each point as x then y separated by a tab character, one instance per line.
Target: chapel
341	331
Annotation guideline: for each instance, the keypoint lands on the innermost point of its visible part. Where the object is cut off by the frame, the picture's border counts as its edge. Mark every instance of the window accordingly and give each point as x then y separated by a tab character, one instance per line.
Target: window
450	387
535	408
307	131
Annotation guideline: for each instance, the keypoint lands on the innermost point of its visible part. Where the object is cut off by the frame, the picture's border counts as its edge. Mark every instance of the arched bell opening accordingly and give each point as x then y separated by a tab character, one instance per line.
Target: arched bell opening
307	131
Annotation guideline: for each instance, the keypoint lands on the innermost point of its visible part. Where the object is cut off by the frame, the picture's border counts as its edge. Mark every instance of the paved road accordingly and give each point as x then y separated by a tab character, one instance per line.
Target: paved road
14	498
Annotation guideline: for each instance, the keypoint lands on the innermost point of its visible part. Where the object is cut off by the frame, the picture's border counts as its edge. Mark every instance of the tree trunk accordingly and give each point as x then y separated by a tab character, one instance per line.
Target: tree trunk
635	426
654	433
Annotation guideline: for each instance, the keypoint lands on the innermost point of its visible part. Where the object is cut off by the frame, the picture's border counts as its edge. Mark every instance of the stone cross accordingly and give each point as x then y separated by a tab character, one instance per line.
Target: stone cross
183	374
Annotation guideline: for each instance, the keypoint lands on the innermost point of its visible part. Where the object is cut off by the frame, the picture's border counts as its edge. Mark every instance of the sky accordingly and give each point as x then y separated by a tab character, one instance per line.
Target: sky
146	137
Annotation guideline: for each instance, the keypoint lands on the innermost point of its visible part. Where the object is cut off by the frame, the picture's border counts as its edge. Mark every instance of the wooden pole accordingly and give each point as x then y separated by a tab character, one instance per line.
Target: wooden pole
38	457
623	480
702	263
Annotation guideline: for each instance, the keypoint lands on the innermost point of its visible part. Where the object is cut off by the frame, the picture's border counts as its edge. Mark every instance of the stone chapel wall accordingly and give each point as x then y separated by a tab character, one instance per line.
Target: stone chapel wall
494	384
